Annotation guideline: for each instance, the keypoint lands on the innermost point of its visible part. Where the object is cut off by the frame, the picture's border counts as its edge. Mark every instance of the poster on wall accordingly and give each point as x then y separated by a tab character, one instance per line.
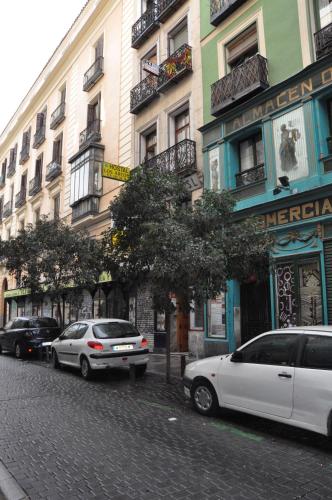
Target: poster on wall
217	317
290	145
214	169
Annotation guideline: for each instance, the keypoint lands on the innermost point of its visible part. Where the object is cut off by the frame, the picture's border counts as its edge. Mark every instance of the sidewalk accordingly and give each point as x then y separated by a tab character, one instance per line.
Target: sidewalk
157	364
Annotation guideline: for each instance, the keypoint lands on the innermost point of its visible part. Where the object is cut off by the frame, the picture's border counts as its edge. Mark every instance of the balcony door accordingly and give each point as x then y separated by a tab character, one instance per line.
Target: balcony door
241	48
182	126
323	13
178	37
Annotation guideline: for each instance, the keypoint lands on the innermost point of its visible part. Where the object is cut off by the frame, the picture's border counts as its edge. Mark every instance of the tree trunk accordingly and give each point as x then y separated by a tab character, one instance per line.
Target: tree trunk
168	347
60	315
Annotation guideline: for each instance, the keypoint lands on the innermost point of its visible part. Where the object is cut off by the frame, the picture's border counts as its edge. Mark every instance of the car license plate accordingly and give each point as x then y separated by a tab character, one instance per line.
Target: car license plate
46	344
123	347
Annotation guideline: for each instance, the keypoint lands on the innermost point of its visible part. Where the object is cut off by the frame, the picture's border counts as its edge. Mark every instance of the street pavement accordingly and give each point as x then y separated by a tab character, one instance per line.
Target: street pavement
65	438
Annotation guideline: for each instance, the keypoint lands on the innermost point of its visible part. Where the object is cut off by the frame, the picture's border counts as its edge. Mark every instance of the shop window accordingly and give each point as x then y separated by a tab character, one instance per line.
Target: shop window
99	304
217	316
241	48
178	36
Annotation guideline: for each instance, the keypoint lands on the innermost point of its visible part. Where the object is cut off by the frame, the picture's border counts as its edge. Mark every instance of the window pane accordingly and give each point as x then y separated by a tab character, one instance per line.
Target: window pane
246	155
259	152
180	38
271	350
325	13
318	353
114	330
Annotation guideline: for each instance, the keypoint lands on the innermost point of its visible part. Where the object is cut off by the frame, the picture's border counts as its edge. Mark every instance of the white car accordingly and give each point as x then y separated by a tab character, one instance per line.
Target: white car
283	375
99	344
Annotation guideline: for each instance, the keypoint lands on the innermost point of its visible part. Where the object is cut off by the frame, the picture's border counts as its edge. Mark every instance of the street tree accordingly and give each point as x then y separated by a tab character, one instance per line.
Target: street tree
53	257
190	250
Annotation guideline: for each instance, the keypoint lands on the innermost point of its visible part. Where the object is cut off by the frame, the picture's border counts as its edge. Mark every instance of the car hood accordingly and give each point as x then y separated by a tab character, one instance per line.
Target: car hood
204	364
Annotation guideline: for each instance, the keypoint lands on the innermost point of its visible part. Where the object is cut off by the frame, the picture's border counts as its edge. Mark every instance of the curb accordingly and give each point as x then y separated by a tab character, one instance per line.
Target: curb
9	487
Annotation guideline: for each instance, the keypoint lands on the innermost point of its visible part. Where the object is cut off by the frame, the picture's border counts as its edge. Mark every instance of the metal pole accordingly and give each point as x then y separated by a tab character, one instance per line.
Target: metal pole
168	348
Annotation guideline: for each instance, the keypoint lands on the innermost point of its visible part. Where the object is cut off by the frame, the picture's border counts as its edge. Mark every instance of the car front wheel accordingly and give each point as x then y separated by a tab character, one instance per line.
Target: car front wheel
204	398
86	370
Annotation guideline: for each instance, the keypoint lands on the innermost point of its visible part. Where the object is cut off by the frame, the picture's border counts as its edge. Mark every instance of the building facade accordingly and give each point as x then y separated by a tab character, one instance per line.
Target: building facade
267	83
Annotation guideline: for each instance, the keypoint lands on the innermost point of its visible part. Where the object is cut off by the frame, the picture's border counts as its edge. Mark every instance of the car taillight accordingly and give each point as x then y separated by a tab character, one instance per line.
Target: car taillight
144	343
95	345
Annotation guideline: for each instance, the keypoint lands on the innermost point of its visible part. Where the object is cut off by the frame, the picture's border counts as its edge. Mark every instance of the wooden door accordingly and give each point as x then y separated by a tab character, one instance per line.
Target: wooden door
182	327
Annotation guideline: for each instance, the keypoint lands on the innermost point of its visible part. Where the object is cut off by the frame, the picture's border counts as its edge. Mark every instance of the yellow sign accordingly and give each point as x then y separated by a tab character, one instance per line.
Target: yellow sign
297	213
116	172
17	292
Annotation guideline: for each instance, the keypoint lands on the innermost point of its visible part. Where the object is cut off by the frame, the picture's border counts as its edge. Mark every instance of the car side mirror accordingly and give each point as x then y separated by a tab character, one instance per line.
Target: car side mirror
237	357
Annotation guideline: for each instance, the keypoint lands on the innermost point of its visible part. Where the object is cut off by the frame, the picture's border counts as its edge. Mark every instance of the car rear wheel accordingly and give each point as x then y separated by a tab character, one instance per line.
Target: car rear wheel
204	398
140	370
55	360
86	370
18	351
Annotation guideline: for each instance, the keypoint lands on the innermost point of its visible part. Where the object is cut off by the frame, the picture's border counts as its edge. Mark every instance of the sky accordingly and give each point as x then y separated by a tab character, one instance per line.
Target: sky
30	32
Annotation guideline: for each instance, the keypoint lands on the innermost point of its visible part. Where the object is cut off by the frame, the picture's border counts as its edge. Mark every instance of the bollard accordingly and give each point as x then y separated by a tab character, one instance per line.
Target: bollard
132	373
183	364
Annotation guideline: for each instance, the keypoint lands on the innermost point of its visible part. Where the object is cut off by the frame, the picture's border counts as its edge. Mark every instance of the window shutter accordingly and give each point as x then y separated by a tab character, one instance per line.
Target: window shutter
23	182
63	95
99	47
328	274
91	114
15	153
243	43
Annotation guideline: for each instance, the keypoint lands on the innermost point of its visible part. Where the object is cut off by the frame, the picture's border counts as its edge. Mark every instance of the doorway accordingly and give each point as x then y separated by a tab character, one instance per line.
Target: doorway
255	309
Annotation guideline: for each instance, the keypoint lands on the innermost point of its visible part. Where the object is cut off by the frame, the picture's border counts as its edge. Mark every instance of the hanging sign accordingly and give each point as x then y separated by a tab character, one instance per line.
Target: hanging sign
150	67
116	172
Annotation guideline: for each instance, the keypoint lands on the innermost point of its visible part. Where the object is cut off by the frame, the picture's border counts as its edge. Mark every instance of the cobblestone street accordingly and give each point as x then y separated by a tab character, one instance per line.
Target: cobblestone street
62	437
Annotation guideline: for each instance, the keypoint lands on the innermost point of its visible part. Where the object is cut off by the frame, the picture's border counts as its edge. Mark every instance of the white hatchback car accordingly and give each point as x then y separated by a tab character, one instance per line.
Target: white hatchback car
99	344
283	375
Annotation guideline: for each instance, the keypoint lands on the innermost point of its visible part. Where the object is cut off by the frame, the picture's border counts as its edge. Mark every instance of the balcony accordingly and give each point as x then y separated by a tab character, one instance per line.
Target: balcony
58	116
250	176
244	81
220	9
11	169
20	198
89	206
167	7
35	185
144	27
7	209
143	93
323	41
91	134
175	67
24	154
53	169
180	158
39	137
94	73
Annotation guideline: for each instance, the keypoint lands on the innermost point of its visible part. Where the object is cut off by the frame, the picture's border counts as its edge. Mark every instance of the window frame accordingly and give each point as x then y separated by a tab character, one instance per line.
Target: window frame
252	138
306	337
293	355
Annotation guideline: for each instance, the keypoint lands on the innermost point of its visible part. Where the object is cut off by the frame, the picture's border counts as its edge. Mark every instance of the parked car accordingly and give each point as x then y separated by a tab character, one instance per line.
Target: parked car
283	375
26	334
100	344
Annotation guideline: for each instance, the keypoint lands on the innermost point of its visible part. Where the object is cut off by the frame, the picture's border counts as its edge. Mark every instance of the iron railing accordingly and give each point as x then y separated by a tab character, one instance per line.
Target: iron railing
143	93
53	169
323	41
58	116
93	74
144	26
24	154
90	134
175	67
220	9
20	198
244	80
39	137
250	176
7	209
35	185
11	168
180	158
167	7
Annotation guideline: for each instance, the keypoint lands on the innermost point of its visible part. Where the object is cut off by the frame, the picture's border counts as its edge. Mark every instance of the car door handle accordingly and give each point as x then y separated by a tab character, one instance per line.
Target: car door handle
284	375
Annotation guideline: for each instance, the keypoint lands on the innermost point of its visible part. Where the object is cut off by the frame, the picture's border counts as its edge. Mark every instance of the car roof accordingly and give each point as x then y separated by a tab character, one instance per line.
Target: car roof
315	329
102	320
28	318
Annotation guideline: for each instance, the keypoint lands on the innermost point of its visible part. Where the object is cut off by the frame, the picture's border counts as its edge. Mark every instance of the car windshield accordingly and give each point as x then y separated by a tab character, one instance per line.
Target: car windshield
114	330
43	323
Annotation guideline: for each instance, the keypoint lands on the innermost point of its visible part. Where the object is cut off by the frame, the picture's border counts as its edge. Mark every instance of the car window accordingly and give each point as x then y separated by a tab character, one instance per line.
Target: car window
20	323
9	325
318	352
271	350
70	332
43	323
80	330
114	330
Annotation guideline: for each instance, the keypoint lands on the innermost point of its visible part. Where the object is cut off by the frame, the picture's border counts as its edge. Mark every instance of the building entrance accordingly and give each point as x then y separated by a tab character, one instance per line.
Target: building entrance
255	309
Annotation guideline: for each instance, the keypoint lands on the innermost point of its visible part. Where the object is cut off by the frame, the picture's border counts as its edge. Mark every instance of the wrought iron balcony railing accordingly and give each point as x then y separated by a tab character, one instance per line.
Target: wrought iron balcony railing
144	26
175	67
89	206
250	176
94	73
53	169
58	116
143	93
167	7
220	9
20	198
180	158
7	209
24	154
90	134
243	81
35	185
11	169
2	181
39	137
323	41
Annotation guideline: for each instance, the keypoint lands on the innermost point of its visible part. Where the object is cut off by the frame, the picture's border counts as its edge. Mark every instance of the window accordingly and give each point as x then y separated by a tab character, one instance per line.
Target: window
94	110
63	94
323	13
182	126
86	177
113	330
178	37
12	195
39	168
36	216
151	56
41	120
56	206
13	155
318	353
57	150
99	48
272	350
3	170
251	152
244	46
149	143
